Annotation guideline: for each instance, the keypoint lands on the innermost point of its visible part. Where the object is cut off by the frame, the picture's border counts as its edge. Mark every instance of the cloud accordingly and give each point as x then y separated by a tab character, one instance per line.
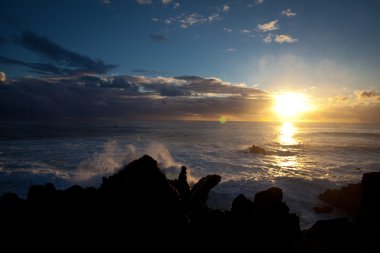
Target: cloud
228	50
213	17
195	18
176	5
128	97
284	38
270	26
191	20
144	2
288	13
245	31
40	68
363	106
258	2
169	21
105	2
56	59
3	77
227	29
368	95
158	37
268	39
226	8
166	1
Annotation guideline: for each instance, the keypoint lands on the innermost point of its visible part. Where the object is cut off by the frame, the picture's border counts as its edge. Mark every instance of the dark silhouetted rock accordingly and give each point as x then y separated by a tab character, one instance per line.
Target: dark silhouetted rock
257	150
200	191
368	223
347	198
41	194
334	235
371	193
242	207
11	200
139	207
268	198
142	192
182	186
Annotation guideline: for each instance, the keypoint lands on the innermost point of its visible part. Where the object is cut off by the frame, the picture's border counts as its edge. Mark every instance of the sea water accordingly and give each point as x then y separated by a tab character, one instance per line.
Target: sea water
303	159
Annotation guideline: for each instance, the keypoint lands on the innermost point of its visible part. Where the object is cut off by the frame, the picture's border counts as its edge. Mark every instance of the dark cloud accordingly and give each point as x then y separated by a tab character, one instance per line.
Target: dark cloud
158	37
89	97
202	85
366	94
172	91
56	59
40	68
116	97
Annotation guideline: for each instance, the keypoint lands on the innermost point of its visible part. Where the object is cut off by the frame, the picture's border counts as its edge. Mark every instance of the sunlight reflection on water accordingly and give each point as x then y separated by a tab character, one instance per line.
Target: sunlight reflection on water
286	138
287	132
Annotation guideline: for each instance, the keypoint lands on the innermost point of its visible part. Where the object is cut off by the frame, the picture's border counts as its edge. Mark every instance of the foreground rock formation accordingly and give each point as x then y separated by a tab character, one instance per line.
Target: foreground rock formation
139	209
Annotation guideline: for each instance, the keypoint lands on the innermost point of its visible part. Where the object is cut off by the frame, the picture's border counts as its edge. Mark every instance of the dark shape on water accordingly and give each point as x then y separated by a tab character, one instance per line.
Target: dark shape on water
139	207
257	150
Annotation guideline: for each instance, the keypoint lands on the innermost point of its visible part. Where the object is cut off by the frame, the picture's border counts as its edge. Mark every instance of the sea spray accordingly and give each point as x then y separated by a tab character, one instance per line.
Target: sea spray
115	156
108	161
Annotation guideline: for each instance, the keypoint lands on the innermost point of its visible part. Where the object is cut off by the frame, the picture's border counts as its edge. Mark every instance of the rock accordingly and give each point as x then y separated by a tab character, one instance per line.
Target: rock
334	235
182	186
142	192
257	150
371	193
348	198
368	223
41	194
268	199
242	207
201	190
11	200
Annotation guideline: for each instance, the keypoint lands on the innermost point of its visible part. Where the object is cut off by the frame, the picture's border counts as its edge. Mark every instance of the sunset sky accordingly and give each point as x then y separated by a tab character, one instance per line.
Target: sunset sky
200	60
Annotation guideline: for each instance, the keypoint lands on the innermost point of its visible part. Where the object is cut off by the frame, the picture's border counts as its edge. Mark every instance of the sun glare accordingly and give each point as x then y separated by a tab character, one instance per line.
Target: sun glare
289	105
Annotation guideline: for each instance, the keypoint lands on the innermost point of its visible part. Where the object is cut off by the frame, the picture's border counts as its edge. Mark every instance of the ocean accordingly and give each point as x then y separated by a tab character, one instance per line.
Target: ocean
303	159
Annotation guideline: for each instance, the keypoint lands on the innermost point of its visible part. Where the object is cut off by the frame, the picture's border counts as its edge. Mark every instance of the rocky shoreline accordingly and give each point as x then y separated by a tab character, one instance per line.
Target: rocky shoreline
138	207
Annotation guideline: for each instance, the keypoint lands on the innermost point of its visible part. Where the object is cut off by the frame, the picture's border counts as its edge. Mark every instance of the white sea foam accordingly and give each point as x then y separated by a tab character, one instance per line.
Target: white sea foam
115	156
302	170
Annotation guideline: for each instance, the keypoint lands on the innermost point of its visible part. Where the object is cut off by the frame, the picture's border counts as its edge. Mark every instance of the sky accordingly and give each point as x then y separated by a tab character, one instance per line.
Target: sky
195	60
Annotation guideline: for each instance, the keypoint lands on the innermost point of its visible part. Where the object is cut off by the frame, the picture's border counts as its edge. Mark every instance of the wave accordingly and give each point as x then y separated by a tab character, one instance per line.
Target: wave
347	134
114	156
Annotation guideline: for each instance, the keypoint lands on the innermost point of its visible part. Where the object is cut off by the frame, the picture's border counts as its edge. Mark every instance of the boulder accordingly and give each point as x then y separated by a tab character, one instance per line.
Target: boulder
348	198
257	150
201	190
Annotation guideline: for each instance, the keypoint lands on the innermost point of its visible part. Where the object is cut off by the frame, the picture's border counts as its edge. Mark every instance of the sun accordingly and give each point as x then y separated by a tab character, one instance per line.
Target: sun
289	105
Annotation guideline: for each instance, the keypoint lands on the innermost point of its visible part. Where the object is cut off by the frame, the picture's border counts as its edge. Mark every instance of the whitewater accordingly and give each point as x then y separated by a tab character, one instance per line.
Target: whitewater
303	159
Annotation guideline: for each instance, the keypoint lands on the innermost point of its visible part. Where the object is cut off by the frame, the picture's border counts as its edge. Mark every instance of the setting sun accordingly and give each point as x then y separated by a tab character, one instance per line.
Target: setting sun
290	104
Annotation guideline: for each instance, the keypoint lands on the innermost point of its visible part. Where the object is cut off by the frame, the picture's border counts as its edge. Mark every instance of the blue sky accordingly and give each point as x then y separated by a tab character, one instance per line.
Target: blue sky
327	48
